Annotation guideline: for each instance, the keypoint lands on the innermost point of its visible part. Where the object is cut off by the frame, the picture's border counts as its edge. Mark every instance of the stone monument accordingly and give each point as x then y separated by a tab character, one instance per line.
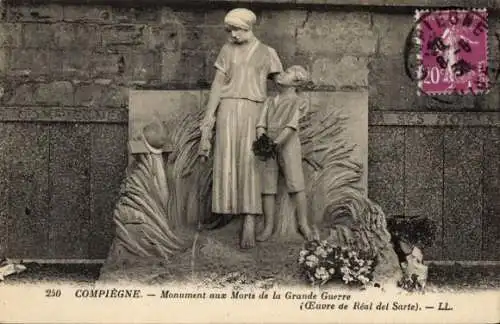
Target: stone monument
178	209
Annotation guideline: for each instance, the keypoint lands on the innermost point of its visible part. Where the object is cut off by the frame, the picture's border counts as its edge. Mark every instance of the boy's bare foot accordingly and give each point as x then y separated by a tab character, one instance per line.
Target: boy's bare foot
306	232
265	234
248	232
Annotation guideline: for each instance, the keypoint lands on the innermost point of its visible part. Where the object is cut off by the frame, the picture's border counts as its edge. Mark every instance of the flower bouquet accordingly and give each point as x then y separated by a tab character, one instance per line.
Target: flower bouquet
322	262
264	147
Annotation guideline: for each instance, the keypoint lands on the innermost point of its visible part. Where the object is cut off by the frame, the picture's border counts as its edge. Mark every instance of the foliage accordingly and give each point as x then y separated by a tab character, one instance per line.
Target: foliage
322	262
410	283
416	230
264	147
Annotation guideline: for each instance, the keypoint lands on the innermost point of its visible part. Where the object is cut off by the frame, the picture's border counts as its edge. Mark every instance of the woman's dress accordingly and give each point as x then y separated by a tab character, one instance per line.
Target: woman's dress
236	177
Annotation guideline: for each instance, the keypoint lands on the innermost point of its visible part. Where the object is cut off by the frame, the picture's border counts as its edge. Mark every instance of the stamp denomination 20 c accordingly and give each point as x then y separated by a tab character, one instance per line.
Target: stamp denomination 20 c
453	51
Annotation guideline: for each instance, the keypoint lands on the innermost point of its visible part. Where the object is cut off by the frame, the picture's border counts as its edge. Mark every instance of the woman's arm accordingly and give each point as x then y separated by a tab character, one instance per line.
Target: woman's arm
213	101
262	122
208	121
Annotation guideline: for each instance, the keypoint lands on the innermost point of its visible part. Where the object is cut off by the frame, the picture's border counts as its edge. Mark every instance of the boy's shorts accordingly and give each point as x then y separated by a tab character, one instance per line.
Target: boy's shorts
289	164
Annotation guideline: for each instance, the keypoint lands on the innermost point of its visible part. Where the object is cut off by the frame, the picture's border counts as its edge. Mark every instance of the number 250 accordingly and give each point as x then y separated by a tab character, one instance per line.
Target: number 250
52	293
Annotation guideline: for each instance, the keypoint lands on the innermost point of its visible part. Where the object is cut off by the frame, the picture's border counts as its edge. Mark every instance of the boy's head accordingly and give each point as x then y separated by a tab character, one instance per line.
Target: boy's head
239	23
294	76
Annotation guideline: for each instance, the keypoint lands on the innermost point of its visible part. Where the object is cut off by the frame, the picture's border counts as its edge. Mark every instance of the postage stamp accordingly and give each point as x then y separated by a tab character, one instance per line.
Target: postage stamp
453	51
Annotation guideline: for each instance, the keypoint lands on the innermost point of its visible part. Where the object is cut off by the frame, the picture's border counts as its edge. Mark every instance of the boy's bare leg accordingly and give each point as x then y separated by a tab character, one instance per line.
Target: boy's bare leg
248	232
299	198
268	205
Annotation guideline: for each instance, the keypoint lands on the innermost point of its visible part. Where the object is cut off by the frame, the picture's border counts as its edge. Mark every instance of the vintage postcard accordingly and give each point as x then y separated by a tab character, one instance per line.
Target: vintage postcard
285	161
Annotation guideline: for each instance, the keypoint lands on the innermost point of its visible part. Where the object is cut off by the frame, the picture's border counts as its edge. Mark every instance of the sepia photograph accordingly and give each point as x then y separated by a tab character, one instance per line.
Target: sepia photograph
240	154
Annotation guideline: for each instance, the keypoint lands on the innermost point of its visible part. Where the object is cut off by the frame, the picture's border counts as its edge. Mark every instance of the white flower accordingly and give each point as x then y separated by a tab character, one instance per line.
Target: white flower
301	260
347	278
320	251
303	253
364	280
321	274
312	260
331	270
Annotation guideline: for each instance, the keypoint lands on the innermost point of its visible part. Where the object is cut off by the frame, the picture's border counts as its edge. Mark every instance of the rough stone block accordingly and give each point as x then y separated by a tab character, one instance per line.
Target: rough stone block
135	15
143	66
87	37
117	97
11	35
345	71
183	67
89	95
202	38
127	35
102	65
390	87
210	70
215	17
165	105
57	93
337	32
95	14
278	28
40	36
65	35
165	37
4	61
33	13
76	64
192	17
98	95
19	94
33	63
391	31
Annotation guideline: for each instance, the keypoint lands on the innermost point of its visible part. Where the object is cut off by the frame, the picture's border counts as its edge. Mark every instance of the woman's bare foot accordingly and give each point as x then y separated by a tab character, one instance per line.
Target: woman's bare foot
315	231
248	232
265	234
306	232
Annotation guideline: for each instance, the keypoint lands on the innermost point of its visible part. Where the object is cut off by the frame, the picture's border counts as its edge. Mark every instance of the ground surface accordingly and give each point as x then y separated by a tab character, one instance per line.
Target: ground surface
270	260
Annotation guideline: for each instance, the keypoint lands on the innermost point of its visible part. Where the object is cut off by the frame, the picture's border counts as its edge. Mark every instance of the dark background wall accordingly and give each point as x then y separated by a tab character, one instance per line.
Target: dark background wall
65	71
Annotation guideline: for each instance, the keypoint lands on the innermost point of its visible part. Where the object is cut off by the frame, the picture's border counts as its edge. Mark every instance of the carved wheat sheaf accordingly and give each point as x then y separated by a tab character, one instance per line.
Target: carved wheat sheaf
171	212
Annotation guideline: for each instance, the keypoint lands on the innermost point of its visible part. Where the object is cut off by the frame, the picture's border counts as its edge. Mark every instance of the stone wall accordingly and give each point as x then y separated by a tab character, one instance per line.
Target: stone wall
86	58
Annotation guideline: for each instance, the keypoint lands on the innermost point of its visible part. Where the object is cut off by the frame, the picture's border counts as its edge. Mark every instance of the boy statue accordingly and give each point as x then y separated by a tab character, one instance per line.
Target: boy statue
279	120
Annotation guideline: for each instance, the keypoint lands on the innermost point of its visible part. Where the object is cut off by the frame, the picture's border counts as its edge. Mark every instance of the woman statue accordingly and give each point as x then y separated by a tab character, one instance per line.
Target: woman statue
236	98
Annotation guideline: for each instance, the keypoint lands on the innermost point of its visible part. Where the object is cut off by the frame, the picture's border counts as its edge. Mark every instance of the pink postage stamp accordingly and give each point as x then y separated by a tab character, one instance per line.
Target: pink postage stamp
453	55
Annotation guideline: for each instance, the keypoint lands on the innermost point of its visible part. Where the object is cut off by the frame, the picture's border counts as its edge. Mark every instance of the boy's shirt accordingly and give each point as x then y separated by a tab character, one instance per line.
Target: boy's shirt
281	112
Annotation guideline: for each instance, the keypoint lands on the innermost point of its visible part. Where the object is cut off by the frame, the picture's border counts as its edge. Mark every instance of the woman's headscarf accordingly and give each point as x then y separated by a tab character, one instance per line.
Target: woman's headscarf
241	18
